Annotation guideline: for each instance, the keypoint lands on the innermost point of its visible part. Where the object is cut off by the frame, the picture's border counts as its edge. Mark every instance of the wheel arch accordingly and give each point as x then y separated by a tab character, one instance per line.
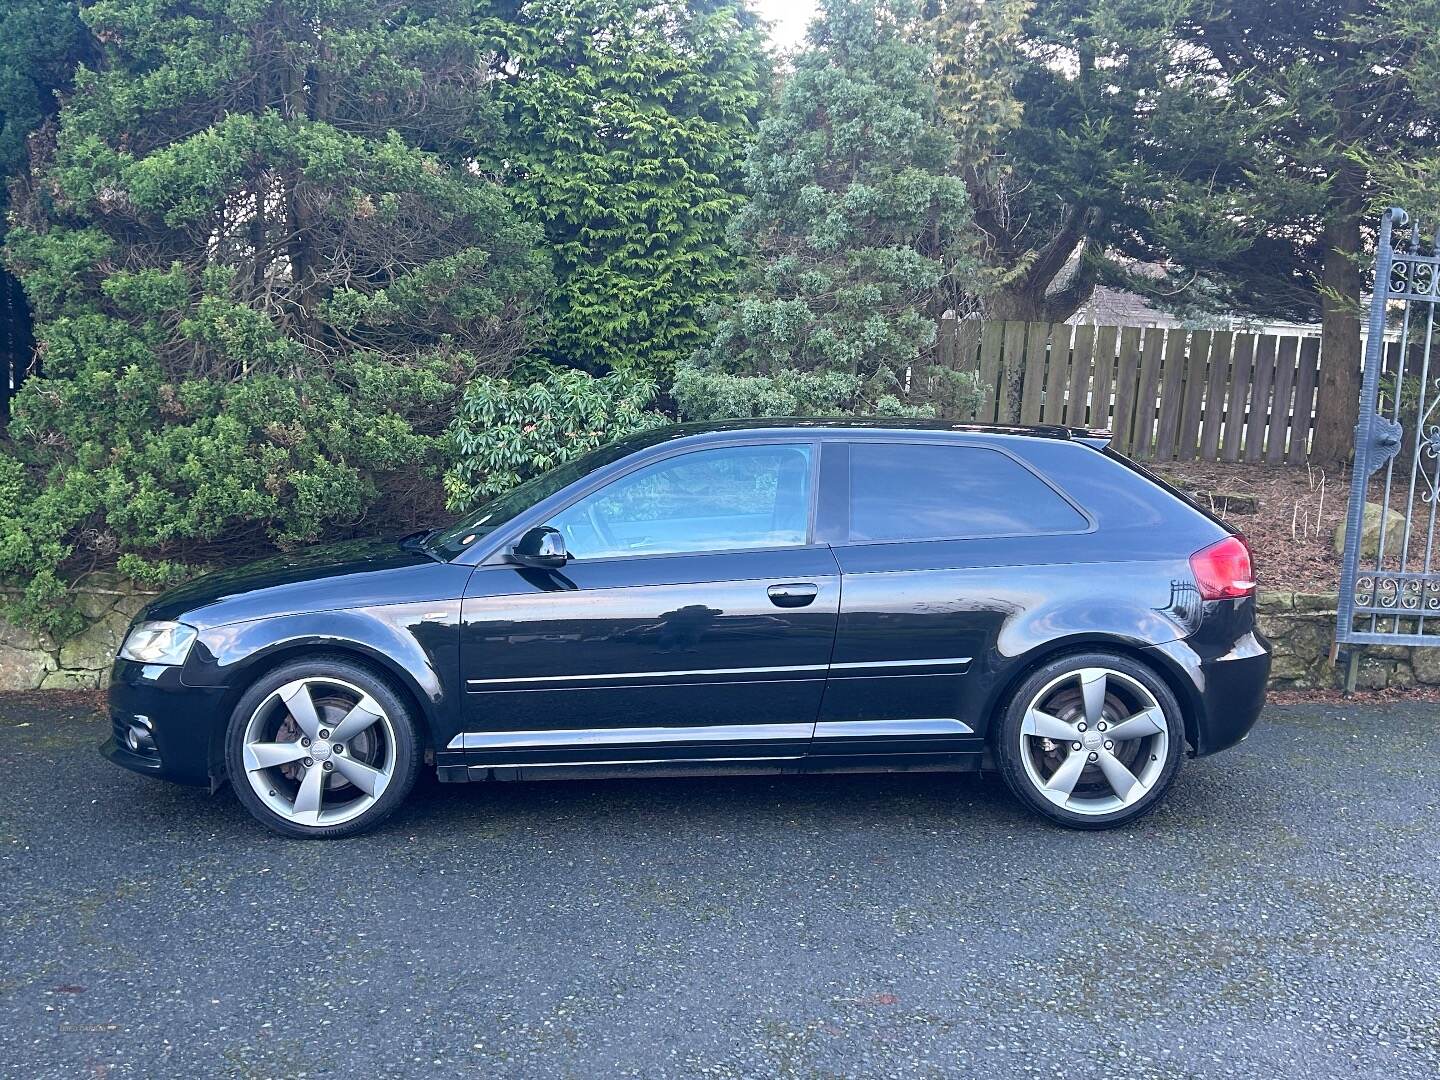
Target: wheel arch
424	695
1165	668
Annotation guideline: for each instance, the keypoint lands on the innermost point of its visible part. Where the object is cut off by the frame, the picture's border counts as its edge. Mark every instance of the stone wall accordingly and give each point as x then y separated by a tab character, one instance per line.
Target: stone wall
33	660
1300	625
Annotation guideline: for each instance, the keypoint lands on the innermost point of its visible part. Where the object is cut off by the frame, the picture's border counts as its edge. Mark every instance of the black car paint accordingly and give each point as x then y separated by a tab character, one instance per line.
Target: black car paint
901	640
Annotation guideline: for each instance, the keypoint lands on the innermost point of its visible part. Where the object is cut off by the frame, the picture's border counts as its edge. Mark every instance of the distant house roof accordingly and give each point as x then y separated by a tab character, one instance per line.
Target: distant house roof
1117	307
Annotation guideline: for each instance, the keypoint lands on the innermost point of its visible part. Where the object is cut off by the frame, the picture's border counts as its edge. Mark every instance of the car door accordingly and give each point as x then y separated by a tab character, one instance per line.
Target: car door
940	543
694	620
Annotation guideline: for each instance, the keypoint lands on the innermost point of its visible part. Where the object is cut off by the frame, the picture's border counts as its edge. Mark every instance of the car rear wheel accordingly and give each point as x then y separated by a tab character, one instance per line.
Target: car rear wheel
1091	741
321	748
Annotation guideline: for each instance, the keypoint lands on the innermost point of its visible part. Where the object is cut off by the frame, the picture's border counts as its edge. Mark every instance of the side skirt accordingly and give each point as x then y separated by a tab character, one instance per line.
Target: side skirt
619	770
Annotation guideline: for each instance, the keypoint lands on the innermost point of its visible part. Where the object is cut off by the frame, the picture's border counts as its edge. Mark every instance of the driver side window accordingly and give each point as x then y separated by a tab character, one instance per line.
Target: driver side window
709	500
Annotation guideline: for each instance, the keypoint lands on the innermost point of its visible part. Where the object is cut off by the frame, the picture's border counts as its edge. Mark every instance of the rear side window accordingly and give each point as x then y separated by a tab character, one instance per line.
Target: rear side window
921	491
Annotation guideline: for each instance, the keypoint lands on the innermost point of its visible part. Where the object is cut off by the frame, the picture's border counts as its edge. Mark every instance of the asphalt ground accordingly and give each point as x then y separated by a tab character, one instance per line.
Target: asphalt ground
1278	917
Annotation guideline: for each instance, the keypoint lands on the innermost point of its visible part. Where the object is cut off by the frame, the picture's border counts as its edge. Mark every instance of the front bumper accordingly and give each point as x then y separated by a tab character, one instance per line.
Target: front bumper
185	722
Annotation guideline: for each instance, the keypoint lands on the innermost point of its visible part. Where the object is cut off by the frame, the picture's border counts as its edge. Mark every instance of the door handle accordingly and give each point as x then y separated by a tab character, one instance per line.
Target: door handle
795	594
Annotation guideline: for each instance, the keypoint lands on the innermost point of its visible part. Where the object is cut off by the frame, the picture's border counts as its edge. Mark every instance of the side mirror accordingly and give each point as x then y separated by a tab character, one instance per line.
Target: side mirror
542	548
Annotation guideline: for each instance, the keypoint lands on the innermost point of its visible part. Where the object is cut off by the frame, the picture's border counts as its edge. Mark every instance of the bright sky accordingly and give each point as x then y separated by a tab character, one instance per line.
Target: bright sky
787	18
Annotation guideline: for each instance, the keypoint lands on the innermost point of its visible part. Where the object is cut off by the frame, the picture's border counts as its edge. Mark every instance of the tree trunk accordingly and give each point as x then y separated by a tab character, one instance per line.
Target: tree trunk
1025	305
1338	400
1018	304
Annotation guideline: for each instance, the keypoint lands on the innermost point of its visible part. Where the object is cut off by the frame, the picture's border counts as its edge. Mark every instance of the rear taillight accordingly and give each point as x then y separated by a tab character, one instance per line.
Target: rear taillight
1224	571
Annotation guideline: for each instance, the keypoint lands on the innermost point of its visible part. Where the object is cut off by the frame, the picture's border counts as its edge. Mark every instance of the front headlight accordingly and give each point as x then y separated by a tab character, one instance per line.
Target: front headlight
158	643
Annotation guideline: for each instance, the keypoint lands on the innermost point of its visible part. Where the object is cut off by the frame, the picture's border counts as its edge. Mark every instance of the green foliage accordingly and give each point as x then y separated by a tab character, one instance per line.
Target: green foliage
627	123
261	272
41	42
506	432
856	233
1090	144
708	394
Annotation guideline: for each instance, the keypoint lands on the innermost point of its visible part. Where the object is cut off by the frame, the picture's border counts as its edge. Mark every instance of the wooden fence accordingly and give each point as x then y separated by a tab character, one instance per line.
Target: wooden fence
1167	395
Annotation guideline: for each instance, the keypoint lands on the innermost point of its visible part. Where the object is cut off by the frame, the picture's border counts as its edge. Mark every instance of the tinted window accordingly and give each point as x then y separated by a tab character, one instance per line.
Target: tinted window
710	500
918	491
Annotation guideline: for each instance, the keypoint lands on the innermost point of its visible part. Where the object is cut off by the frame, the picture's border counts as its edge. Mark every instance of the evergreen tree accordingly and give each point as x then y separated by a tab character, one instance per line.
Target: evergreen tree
856	233
1346	108
1089	145
626	127
41	43
260	277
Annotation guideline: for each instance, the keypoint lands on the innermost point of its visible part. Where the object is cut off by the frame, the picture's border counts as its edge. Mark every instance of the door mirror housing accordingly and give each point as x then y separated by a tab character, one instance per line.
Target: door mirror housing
542	548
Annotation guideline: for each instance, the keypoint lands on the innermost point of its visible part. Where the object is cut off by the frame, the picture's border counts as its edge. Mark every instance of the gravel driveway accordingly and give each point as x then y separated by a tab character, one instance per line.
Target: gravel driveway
1278	917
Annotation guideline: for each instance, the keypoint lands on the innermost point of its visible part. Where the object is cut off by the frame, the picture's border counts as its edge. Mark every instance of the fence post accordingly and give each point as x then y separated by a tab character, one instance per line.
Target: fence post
1127	381
1305	381
1235	415
1171	384
1082	364
1284	393
1257	422
1031	392
991	337
1145	402
1014	360
1220	345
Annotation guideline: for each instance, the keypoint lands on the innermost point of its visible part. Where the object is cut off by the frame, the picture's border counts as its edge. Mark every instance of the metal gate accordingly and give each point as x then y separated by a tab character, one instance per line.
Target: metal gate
1392	595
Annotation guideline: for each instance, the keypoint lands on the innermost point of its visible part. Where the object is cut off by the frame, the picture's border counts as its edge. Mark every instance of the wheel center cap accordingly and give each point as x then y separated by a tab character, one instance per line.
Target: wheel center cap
1092	740
320	750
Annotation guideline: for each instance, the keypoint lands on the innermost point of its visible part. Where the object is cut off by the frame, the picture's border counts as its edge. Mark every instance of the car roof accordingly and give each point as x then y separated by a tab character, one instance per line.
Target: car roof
805	425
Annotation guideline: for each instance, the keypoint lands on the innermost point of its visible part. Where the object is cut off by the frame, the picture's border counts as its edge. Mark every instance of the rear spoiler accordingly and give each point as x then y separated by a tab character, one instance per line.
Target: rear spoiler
1098	438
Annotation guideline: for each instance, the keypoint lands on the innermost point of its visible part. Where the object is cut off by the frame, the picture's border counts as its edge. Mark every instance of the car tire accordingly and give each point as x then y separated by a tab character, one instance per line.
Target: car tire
322	748
1091	740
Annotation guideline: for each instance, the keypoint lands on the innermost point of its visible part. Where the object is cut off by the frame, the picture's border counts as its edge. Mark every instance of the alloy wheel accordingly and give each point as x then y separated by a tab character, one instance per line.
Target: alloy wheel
319	751
1094	741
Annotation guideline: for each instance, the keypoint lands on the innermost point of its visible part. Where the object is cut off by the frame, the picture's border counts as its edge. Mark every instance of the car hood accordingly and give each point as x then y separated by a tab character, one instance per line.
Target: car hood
357	573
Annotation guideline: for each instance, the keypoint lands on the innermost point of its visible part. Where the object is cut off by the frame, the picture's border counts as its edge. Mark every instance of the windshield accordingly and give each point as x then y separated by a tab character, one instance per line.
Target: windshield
495	513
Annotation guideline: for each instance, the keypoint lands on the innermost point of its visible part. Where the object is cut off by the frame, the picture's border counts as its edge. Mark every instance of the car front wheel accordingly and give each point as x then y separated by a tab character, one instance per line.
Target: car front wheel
321	748
1091	741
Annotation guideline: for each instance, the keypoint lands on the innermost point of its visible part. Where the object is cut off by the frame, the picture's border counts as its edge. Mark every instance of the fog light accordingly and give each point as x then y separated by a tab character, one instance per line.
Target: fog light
139	736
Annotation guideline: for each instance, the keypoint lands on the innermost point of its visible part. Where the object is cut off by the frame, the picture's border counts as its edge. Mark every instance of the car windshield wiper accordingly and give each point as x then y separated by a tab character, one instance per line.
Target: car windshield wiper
419	540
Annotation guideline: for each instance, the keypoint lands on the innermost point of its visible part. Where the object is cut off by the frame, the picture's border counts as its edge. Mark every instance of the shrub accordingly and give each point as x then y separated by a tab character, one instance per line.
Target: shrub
703	393
506	432
257	296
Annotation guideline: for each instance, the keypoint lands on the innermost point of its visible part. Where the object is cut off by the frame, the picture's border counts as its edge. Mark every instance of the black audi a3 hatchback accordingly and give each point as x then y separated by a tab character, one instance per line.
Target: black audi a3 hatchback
792	596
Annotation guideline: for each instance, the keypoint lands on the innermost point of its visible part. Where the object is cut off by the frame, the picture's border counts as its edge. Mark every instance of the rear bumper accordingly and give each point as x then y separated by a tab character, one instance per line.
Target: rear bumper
182	720
1226	692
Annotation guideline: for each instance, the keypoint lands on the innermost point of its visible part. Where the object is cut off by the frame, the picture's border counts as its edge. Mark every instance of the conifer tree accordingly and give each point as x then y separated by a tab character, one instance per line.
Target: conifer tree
626	126
261	272
856	232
